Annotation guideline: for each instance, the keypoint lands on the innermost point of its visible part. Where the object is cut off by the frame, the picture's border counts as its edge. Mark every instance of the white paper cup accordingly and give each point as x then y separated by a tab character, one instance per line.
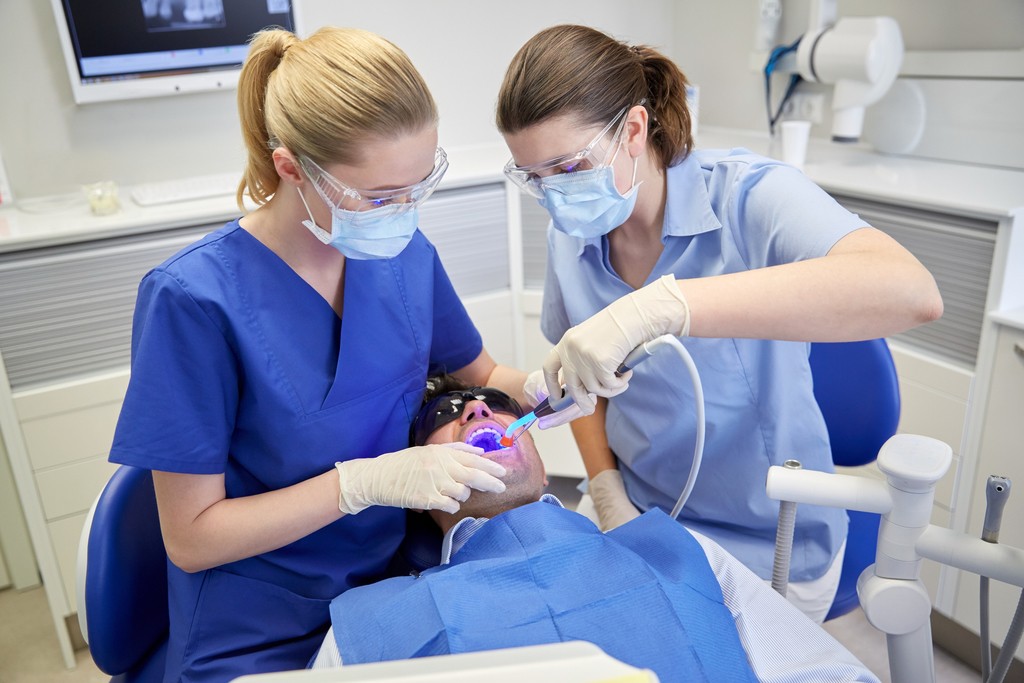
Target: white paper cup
794	142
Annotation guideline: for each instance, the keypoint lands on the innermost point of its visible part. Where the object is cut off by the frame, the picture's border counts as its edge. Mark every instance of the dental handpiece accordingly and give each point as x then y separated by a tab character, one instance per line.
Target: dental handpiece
550	407
997	491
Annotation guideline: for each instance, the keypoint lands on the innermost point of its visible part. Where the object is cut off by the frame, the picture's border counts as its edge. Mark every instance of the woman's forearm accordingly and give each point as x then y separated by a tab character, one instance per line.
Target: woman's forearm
593	442
203	529
867	286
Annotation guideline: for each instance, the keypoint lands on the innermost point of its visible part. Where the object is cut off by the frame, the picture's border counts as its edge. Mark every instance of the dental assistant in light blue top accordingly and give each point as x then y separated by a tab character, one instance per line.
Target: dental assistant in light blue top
742	255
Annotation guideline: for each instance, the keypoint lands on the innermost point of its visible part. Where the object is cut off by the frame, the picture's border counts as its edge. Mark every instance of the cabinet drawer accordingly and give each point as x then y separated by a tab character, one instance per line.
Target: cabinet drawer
71	421
1000	452
71	437
934	396
72	488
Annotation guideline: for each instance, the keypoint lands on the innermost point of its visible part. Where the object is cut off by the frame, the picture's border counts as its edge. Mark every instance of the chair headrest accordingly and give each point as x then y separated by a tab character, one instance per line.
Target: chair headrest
126	573
856	387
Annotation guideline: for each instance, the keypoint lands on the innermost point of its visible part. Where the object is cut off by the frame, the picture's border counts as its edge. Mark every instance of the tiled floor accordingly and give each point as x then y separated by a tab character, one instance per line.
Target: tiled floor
29	652
868	644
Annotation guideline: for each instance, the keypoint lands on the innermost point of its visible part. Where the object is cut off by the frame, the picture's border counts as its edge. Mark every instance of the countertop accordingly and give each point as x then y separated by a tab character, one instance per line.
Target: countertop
48	221
962	189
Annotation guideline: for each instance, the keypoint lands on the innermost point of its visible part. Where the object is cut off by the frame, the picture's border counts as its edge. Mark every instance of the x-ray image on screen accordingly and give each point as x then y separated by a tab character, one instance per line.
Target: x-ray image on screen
178	15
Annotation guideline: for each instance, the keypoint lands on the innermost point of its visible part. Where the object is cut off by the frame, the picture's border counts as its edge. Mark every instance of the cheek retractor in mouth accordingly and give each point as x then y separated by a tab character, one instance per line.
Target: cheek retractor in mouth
488	439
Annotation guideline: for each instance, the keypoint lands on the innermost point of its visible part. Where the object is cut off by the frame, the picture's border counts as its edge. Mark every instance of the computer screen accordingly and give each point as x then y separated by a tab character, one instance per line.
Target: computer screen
122	49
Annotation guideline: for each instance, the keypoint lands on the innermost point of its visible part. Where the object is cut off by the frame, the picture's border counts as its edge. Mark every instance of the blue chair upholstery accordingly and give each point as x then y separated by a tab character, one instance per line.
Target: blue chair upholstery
122	571
857	390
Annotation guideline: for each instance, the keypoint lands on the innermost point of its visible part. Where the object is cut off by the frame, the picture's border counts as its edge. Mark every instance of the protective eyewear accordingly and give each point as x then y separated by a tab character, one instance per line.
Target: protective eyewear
341	196
448	407
530	179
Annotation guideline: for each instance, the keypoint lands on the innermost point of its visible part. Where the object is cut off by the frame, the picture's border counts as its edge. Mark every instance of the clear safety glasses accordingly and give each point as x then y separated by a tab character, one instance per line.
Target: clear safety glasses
530	178
396	201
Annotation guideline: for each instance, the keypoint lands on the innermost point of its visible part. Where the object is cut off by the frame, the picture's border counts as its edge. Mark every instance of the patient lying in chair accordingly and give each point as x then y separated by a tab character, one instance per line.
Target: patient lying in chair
517	568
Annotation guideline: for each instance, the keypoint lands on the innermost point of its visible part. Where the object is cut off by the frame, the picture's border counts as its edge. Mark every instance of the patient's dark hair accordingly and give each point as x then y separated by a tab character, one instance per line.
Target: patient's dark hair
437	385
442	384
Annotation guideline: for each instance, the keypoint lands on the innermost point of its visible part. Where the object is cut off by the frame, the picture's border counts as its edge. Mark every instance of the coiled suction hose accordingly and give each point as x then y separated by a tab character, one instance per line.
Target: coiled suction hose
784	539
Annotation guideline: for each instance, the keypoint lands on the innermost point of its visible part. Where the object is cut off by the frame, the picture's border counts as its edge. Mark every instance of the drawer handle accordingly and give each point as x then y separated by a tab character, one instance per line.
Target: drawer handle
1018	348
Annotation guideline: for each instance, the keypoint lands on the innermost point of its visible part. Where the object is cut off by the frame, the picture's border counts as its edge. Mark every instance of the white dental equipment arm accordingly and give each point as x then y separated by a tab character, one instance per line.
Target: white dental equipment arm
860	56
891	592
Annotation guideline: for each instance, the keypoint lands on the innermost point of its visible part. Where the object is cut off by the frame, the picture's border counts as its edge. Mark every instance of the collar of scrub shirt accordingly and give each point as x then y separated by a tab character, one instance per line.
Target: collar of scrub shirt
465	528
687	210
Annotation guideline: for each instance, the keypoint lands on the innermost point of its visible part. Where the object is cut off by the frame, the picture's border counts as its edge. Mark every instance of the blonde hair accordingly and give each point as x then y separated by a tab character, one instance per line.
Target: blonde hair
322	97
579	71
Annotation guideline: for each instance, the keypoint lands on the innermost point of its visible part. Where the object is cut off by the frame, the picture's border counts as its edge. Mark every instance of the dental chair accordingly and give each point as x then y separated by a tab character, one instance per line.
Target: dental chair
122	580
857	390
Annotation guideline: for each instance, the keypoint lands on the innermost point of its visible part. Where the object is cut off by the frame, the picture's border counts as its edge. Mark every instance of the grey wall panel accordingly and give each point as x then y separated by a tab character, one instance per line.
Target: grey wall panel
469	227
66	310
958	251
535	242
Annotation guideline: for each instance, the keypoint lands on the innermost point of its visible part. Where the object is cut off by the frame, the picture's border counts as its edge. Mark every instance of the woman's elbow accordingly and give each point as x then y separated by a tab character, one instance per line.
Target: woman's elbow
927	305
184	557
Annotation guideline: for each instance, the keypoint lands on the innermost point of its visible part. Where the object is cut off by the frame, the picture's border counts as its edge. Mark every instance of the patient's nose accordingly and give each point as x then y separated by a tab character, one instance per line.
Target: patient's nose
475	410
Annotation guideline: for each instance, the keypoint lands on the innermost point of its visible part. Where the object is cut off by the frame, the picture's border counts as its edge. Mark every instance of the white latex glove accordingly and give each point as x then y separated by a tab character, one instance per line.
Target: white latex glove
610	499
434	477
535	391
589	354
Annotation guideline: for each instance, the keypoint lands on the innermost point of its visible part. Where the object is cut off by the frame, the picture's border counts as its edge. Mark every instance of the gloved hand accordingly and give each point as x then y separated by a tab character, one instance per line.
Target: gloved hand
589	353
613	505
535	391
433	477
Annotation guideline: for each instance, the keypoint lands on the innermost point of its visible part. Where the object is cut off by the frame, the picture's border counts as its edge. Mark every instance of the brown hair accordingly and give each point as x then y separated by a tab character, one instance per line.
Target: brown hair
577	70
321	97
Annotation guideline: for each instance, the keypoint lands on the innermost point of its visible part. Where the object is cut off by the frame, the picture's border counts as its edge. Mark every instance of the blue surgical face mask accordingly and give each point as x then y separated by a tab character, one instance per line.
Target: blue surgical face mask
366	235
587	204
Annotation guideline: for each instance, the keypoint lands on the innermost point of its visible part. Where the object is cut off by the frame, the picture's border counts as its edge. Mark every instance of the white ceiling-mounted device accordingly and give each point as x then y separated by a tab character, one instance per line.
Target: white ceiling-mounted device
859	56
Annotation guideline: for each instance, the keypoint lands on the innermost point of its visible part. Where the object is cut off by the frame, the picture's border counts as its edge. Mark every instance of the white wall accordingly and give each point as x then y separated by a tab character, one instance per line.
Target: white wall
51	146
713	42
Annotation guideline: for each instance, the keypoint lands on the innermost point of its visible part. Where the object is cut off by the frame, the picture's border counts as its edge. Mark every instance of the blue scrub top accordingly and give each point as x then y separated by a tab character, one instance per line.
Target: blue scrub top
240	367
726	212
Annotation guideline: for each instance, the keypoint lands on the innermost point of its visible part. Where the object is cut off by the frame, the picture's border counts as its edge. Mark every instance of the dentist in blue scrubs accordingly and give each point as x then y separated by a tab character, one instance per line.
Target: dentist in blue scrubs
278	362
741	255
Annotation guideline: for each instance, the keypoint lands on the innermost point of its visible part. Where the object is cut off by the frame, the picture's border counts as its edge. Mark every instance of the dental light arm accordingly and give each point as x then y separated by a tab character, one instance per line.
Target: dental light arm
860	56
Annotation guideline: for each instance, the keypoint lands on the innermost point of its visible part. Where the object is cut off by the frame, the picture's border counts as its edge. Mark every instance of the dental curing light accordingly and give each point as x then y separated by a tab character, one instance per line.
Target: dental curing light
635	357
549	407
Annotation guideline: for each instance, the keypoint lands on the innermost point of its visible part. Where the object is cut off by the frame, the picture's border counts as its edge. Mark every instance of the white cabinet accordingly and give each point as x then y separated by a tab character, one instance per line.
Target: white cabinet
1001	453
65	337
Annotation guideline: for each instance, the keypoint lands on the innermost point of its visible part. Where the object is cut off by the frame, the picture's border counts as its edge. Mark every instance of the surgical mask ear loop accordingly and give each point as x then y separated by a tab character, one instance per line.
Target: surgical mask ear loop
632	181
311	225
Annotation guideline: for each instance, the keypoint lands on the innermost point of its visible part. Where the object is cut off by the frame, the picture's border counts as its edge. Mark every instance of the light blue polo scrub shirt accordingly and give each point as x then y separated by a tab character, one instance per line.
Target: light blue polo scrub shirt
727	211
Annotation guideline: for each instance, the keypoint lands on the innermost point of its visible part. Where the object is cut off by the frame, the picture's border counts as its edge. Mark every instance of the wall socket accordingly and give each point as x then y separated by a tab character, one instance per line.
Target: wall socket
805	106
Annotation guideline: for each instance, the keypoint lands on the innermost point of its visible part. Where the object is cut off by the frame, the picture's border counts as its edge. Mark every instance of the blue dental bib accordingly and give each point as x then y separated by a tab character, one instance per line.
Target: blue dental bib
537	574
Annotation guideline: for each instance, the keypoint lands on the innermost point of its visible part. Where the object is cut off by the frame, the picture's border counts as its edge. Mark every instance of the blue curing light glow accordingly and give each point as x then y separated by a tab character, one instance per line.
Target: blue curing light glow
524	420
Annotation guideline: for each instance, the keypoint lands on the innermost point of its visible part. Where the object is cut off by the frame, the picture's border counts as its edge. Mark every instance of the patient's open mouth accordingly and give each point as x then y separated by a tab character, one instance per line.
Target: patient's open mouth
487	438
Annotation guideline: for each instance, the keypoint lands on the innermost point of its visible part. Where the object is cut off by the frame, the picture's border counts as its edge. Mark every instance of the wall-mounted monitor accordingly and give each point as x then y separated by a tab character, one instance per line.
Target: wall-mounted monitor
124	49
